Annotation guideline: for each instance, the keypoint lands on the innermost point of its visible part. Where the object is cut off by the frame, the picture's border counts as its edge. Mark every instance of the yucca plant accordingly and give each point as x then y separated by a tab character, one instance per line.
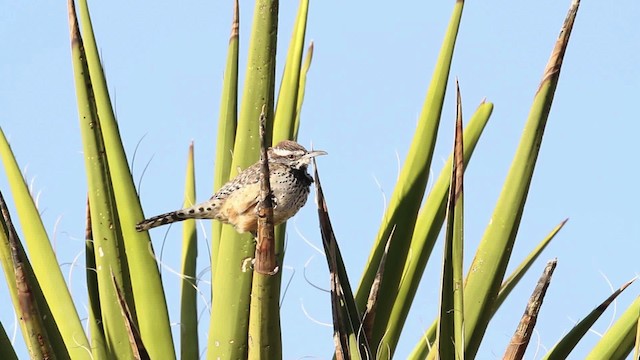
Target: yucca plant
128	315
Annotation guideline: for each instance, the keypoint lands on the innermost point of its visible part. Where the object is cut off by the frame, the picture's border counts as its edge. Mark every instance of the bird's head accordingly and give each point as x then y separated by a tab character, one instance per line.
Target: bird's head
293	154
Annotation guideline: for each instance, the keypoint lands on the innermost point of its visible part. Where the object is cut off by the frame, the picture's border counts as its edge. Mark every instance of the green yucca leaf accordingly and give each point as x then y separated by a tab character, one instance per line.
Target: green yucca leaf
349	338
140	275
372	303
489	265
407	196
137	347
27	308
7	262
227	123
6	348
264	323
287	121
451	321
617	342
232	277
285	115
284	123
98	342
423	347
518	273
301	89
64	318
563	348
107	243
636	348
458	236
428	227
7	266
188	290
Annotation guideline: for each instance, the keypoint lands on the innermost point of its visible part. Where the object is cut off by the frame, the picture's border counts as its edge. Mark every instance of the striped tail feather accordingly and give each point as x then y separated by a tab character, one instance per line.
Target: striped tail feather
161	220
206	210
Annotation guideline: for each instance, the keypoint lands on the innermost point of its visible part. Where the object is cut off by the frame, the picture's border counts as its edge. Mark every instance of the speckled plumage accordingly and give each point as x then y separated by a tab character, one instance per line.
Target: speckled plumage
235	203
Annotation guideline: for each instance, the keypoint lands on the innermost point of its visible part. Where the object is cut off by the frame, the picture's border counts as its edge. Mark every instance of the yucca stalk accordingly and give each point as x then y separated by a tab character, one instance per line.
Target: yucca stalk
229	322
235	281
264	318
522	335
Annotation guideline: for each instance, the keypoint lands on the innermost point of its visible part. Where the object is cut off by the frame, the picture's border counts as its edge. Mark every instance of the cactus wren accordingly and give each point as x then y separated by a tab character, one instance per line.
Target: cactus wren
235	203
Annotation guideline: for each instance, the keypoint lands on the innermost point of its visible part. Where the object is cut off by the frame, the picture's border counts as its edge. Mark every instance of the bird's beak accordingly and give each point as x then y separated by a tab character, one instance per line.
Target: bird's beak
314	153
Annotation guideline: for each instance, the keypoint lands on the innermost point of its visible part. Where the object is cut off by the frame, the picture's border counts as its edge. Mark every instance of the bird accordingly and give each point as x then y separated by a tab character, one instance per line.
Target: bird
235	203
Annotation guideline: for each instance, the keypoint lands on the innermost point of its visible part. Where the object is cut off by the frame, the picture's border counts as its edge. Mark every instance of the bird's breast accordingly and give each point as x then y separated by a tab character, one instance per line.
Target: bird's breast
290	190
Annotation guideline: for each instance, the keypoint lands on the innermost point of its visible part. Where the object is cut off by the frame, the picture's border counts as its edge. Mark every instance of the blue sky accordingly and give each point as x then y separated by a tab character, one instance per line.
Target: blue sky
371	67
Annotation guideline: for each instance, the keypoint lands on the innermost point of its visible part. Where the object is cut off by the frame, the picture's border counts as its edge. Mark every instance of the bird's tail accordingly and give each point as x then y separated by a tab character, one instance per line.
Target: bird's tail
159	220
200	211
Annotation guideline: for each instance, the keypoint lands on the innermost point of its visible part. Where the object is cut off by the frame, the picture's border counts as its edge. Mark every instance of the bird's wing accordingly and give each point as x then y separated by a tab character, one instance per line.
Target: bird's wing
240	195
244	178
246	199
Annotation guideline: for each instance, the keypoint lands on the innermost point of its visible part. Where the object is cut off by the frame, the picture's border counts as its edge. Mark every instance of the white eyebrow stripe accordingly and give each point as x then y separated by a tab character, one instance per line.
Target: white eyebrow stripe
285	152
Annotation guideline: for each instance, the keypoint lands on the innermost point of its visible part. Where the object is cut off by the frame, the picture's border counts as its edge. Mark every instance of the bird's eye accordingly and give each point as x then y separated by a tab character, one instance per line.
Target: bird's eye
291	156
